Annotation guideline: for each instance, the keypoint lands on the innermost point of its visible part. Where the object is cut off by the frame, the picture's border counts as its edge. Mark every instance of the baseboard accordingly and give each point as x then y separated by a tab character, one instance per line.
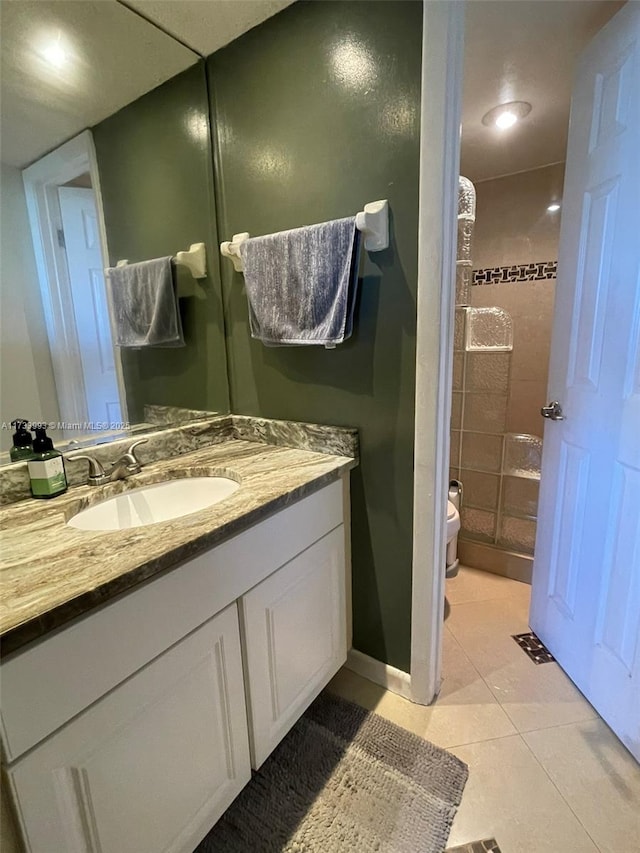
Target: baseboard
380	673
478	555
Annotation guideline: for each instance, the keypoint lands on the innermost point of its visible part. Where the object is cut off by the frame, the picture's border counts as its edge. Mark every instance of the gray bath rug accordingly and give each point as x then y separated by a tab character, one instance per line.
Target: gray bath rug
344	781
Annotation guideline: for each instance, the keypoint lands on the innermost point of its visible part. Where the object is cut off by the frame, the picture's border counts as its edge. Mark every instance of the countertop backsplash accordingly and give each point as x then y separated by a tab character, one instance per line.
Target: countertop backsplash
167	442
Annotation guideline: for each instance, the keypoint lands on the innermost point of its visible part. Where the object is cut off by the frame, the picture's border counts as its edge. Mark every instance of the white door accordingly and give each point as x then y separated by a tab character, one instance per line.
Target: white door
586	578
84	259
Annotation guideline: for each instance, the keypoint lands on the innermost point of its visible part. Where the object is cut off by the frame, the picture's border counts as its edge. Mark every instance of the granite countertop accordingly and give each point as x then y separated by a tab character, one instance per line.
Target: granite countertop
51	573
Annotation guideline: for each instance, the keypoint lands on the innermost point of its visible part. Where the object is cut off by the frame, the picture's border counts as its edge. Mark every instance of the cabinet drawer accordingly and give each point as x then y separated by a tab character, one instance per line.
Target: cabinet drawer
150	767
294	639
48	683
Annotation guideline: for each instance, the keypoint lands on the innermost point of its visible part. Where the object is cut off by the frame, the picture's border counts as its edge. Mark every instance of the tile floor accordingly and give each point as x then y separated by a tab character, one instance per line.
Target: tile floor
546	773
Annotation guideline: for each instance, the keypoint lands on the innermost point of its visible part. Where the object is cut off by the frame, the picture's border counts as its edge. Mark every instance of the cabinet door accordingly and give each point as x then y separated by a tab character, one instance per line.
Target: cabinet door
294	631
151	766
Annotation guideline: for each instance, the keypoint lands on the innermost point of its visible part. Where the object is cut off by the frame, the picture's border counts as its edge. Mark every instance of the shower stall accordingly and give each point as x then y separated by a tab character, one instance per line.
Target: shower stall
499	470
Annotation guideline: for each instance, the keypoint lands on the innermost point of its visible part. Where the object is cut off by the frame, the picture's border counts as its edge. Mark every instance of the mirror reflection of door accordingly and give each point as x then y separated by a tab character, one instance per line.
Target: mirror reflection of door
90	309
62	192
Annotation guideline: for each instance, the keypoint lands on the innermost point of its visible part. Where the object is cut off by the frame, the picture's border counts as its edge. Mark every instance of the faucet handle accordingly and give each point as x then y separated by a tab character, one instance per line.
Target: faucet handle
97	474
130	455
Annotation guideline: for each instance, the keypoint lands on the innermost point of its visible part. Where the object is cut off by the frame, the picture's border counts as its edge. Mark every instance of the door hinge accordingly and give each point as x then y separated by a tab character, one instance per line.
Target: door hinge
61	242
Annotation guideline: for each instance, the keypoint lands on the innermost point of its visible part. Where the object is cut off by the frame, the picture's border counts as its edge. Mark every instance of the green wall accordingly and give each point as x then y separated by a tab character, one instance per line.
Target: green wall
156	174
316	112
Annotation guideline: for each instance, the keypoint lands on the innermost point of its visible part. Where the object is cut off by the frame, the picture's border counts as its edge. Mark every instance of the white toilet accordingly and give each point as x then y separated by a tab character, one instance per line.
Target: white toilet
453	526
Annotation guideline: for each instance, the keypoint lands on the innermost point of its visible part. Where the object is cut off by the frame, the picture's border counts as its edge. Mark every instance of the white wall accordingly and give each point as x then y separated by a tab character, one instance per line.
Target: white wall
27	386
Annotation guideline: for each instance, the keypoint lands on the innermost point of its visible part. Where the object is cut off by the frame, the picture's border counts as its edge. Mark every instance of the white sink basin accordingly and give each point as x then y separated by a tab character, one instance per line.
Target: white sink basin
158	502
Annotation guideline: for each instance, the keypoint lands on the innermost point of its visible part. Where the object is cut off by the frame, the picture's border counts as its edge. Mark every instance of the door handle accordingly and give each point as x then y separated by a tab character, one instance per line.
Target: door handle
553	411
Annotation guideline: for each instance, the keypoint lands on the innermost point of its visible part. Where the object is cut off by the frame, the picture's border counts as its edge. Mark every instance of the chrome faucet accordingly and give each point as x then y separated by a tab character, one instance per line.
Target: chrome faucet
127	465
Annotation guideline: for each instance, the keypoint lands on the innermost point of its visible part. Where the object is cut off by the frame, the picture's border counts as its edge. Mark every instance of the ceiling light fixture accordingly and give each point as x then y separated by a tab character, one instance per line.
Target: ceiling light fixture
506	115
54	53
505	120
553	207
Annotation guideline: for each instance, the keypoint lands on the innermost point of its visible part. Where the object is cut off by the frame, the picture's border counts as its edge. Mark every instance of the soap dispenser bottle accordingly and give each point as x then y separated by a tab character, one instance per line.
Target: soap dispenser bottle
46	466
22	441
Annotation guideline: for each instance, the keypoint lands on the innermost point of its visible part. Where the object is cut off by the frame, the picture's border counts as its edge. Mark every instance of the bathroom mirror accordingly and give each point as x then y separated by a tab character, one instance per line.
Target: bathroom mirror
97	64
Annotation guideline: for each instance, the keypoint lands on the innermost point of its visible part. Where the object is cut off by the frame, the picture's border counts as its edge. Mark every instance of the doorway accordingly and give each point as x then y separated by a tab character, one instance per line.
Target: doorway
64	206
585	574
504	38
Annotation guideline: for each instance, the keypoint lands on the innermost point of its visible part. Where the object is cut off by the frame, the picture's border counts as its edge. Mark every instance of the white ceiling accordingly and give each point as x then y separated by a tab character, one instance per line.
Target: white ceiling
207	25
522	51
514	50
115	56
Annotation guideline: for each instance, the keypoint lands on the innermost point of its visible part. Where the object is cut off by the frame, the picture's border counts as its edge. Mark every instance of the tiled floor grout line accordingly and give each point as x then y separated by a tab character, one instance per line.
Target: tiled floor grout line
482	740
479	674
564	799
481	677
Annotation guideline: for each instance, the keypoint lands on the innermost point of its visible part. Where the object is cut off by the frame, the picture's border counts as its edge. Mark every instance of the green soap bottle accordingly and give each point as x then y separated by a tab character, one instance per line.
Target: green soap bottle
46	466
22	441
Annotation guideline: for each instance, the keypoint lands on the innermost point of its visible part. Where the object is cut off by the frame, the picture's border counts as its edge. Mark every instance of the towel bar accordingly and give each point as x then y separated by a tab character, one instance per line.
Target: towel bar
373	222
195	259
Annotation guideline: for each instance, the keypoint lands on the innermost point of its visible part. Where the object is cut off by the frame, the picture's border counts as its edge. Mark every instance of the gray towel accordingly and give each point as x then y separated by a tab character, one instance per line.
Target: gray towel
301	284
144	305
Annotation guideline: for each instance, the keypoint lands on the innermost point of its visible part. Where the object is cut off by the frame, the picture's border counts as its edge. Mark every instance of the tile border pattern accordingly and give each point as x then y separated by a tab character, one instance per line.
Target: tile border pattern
534	648
488	845
537	271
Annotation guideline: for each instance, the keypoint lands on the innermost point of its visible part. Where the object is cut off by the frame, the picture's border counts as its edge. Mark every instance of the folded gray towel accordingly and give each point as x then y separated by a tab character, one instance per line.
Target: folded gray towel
302	283
145	305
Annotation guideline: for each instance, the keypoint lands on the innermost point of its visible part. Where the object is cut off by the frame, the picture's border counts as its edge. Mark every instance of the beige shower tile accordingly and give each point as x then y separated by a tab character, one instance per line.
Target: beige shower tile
597	777
456	410
525	401
530	305
481	452
485	412
458	365
480	490
509	797
454	452
512	226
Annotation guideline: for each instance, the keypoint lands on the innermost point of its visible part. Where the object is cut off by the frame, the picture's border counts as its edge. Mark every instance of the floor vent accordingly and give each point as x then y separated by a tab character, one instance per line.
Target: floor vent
534	647
489	845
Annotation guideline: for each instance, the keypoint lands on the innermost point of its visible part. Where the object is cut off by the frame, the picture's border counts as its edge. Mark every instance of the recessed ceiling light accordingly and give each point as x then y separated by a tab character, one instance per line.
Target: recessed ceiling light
506	115
505	120
54	53
553	207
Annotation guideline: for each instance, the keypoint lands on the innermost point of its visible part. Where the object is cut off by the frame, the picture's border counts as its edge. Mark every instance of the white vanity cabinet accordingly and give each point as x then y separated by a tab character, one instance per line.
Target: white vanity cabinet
293	638
132	729
152	765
